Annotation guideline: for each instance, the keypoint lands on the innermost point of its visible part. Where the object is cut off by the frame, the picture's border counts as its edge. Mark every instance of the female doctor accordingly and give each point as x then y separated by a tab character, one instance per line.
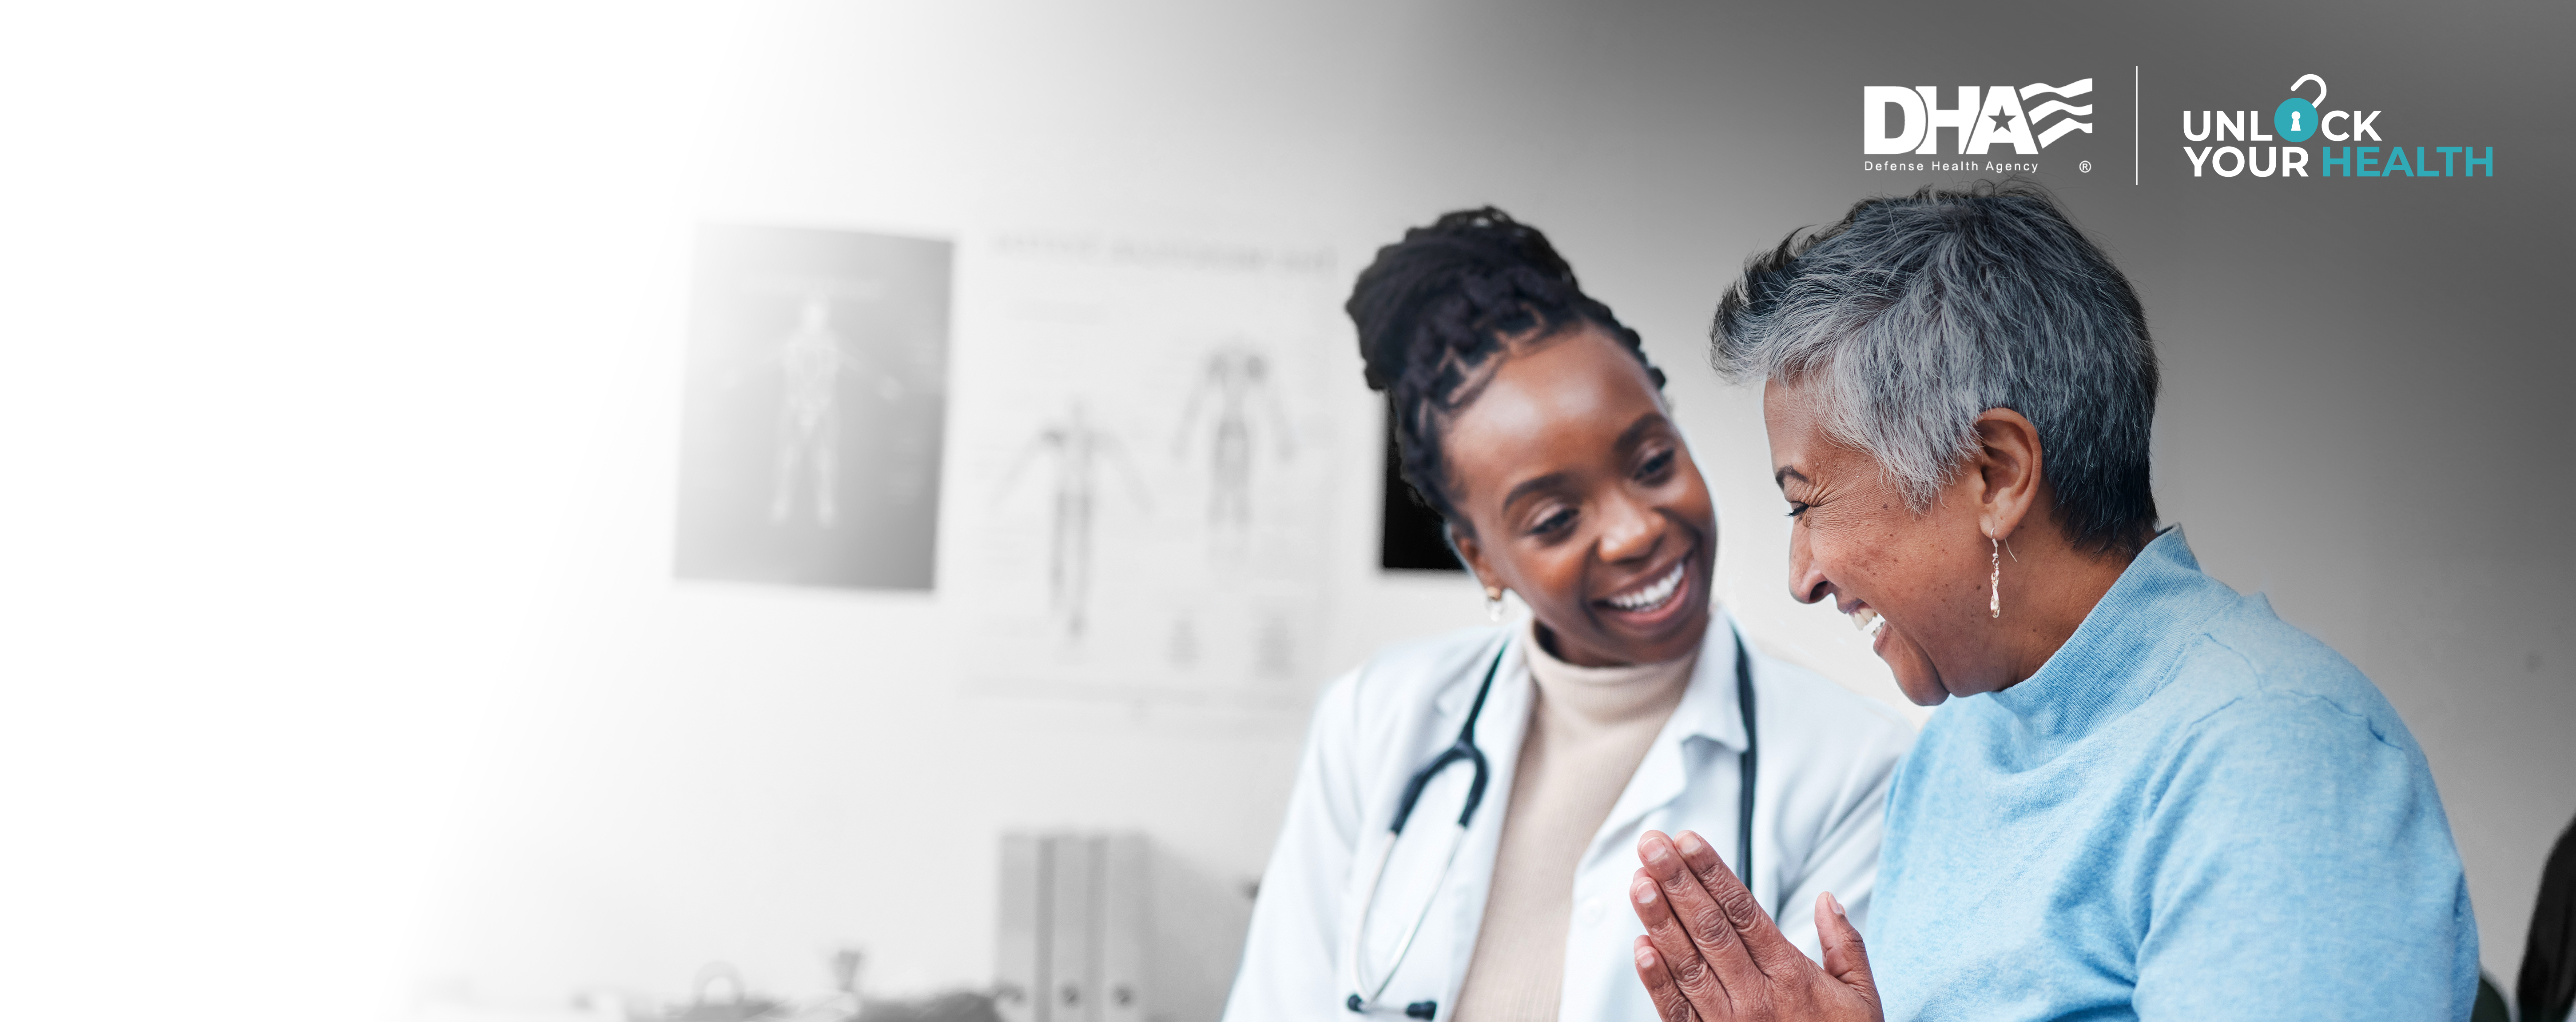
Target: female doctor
1459	841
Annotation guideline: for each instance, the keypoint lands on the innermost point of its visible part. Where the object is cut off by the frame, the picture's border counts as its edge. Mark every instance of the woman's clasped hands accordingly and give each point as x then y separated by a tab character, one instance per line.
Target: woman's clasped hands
1709	953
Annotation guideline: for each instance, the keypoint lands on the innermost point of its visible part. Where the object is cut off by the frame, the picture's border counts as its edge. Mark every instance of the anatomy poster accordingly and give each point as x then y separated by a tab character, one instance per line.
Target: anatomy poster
1141	465
816	390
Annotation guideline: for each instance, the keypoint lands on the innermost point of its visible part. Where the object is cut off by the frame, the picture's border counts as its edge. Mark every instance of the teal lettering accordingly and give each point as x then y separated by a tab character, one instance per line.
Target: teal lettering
2397	163
2472	169
2361	161
2331	162
2447	151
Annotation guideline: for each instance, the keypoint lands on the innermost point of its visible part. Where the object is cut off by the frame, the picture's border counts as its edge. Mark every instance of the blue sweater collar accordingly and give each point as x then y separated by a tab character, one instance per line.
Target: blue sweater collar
2124	649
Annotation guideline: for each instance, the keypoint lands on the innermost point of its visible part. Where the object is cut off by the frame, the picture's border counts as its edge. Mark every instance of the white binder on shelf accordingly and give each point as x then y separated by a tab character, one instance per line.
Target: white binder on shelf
1126	927
1020	938
1071	924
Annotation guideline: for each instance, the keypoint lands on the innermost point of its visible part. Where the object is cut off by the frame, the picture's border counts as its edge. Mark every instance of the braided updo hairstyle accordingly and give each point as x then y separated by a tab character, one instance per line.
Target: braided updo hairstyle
1436	309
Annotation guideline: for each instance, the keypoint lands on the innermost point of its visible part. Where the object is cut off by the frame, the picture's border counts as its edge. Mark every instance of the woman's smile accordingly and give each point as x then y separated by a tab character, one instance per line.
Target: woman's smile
1648	598
1656	601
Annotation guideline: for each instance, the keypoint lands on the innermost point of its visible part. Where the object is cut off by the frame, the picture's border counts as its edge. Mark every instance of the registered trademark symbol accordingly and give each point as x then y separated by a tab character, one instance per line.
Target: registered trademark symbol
2086	166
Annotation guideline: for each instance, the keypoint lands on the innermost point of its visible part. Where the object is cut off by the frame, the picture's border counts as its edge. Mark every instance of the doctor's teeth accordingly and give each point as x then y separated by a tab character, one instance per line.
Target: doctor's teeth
1653	595
1868	621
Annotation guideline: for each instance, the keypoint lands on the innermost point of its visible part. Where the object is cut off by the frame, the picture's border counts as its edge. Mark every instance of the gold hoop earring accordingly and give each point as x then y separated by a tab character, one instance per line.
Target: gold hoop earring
1493	604
1995	580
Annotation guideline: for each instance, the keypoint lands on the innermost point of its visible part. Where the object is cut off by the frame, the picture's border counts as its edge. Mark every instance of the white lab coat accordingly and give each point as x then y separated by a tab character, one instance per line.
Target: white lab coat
1825	759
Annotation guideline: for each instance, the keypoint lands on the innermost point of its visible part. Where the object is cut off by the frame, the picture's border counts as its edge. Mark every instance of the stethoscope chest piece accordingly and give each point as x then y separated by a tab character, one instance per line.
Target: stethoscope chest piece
1417	1009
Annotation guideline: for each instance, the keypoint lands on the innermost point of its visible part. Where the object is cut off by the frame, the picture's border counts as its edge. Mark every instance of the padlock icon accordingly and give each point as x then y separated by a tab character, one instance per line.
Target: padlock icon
2296	118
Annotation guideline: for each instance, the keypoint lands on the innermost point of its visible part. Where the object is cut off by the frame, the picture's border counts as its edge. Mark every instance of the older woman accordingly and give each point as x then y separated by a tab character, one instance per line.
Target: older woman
2150	798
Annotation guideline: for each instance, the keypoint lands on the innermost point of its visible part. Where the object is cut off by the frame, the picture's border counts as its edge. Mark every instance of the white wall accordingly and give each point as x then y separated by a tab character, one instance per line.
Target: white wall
305	319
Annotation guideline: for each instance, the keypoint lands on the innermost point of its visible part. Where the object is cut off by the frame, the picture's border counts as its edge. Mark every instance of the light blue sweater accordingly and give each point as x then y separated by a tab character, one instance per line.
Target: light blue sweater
2193	811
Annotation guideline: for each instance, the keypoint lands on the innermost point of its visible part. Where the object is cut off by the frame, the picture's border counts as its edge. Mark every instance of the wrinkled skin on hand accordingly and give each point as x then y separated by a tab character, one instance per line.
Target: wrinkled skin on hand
1710	954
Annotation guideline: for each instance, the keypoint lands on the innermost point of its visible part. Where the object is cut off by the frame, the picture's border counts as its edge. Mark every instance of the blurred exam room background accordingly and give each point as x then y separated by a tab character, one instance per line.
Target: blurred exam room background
422	599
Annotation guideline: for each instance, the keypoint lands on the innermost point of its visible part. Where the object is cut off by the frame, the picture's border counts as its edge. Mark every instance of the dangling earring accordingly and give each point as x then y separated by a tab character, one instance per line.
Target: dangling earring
1493	604
1995	581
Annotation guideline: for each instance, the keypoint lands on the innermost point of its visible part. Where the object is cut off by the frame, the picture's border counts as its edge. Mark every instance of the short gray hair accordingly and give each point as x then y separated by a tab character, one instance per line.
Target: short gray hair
1914	315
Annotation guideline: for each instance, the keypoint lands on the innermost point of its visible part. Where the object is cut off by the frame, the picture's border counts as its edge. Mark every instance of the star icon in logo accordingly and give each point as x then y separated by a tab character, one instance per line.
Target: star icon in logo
2003	122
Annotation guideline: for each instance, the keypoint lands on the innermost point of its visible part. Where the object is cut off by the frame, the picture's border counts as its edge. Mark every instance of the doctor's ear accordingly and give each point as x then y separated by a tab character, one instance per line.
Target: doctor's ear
1472	555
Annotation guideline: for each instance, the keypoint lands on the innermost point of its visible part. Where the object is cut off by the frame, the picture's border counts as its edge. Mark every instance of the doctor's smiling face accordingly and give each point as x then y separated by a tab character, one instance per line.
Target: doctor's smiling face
1580	496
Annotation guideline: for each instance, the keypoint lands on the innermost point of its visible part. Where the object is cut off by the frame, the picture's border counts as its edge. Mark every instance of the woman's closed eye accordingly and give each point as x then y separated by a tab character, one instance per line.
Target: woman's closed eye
1553	521
1656	466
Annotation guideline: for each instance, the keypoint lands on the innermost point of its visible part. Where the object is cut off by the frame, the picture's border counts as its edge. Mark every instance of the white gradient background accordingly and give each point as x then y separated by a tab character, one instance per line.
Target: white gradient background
339	393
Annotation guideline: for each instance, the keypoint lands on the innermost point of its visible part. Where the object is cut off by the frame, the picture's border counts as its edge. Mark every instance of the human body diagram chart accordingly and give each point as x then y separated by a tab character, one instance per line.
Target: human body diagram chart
1077	453
814	404
1137	417
812	362
1240	408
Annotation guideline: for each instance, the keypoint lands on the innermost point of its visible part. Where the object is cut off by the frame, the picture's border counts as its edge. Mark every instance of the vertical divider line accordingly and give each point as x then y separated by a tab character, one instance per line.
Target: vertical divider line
2134	77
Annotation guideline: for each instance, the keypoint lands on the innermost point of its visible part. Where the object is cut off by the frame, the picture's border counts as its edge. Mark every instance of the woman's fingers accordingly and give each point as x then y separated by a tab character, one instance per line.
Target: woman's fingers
1689	972
1670	1004
1845	959
1769	948
1710	927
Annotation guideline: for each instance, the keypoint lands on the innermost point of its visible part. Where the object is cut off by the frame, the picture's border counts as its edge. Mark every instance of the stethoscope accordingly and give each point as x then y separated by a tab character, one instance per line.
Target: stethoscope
1465	750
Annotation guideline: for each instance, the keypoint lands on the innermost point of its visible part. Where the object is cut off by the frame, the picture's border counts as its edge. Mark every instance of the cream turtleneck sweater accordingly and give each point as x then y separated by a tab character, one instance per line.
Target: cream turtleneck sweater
1589	727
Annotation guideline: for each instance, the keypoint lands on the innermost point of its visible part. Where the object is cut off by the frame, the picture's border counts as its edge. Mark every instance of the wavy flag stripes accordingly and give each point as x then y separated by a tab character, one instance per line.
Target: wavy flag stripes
2054	107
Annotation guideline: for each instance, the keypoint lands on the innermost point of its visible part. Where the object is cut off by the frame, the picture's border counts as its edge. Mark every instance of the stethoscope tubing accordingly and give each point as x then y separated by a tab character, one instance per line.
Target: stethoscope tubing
1464	748
1457	840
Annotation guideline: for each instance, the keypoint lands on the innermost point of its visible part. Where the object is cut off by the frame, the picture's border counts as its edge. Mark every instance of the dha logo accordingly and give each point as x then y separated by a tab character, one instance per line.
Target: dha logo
2298	119
1979	121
